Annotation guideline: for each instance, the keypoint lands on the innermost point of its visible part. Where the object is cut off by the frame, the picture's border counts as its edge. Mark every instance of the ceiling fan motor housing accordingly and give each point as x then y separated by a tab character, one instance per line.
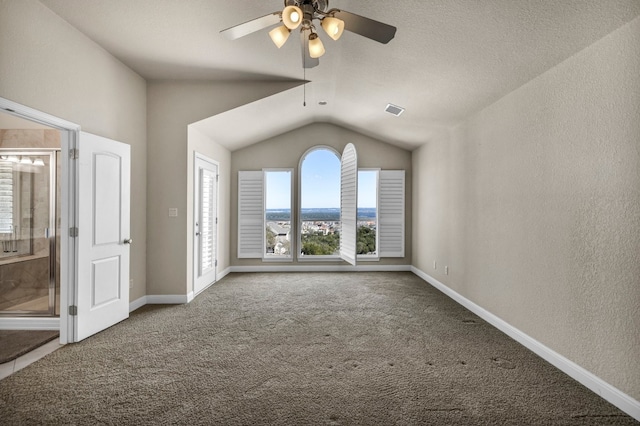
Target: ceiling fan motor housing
317	5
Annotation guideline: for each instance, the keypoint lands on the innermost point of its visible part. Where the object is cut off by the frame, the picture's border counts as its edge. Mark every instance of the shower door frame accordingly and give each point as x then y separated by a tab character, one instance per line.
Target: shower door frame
52	233
69	136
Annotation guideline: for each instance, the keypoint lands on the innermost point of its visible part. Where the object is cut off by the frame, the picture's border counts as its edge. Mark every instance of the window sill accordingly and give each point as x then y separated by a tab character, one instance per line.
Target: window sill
365	258
328	258
276	259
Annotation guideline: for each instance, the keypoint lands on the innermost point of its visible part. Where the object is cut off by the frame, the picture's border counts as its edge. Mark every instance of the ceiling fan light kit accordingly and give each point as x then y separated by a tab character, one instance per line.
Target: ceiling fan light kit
292	17
279	35
301	14
334	27
316	48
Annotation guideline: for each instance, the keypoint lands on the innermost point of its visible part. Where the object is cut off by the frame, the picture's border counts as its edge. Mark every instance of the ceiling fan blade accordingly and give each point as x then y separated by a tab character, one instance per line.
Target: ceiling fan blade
307	60
252	26
366	27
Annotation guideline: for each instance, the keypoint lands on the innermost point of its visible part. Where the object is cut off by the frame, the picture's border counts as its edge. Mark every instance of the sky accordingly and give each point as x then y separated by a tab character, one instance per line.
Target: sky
320	184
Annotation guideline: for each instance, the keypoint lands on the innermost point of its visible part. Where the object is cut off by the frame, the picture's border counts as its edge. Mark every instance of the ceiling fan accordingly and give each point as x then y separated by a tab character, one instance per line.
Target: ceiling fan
301	14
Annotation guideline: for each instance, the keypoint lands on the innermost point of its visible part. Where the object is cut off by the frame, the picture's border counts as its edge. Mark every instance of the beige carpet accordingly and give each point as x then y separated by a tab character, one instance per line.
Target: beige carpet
14	343
302	349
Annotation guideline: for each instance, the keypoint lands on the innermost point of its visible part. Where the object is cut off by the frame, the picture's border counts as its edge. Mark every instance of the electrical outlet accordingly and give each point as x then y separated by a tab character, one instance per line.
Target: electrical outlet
173	212
131	283
435	265
446	270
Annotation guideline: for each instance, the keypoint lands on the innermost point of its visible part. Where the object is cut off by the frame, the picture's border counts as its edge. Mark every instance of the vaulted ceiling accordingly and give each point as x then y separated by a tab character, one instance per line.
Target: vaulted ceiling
448	59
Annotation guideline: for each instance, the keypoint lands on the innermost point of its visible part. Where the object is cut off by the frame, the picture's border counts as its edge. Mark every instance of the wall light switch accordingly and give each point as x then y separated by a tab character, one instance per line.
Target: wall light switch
435	265
446	270
173	212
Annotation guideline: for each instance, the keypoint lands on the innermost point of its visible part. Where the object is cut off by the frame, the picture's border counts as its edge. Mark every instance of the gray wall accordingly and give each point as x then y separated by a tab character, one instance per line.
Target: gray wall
534	204
172	107
48	65
286	150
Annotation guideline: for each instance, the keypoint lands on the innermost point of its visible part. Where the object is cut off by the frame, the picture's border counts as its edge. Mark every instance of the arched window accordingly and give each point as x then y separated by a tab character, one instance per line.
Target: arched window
319	203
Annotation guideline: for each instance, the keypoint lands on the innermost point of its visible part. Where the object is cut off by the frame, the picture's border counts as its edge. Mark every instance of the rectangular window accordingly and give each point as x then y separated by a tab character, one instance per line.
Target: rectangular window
277	214
367	225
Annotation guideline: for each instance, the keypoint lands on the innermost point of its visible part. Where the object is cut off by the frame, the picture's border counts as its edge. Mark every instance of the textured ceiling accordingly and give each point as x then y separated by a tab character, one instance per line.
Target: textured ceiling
448	59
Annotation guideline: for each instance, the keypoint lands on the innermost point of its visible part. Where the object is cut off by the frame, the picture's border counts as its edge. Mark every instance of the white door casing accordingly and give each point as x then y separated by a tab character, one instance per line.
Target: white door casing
205	222
103	180
348	203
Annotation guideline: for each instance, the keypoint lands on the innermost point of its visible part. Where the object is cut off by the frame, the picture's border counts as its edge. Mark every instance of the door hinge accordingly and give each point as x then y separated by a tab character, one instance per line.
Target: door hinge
74	153
216	262
73	310
217	177
216	220
73	232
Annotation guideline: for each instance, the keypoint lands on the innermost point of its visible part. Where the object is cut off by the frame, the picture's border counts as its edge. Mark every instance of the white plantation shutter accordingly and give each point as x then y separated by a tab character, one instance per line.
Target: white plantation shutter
207	220
348	203
6	197
205	241
250	214
391	214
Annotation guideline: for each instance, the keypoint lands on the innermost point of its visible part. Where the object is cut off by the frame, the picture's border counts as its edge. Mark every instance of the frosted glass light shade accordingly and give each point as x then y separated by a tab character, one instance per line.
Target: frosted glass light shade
316	48
279	35
13	159
292	17
25	160
334	27
38	162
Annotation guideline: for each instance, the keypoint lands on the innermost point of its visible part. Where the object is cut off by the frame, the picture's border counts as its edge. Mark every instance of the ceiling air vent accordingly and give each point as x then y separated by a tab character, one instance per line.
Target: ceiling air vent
394	109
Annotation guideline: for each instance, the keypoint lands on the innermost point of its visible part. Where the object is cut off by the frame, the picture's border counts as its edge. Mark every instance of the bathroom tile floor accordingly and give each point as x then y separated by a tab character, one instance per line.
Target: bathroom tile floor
8	368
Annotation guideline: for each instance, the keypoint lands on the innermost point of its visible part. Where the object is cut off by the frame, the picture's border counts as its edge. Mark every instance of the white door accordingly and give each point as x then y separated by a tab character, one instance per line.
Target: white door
205	222
103	180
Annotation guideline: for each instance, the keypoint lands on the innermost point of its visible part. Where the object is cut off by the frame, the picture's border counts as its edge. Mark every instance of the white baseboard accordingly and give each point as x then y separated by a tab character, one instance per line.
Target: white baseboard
33	323
167	299
137	304
321	268
223	273
615	396
160	299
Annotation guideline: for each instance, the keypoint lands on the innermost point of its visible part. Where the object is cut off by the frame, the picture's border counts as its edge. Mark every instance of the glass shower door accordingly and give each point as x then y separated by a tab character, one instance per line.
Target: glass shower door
27	233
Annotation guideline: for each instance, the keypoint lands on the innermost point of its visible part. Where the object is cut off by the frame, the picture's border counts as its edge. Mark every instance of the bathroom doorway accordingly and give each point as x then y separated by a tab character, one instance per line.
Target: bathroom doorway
29	218
92	186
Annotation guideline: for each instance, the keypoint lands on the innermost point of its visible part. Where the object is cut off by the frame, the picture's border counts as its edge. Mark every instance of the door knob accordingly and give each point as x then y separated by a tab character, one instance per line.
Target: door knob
128	241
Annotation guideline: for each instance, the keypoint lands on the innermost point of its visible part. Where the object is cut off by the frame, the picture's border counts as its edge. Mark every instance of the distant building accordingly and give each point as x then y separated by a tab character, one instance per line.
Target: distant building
281	232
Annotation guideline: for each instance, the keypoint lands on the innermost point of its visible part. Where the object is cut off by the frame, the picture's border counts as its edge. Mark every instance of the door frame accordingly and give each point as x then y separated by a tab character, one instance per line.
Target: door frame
195	217
68	216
